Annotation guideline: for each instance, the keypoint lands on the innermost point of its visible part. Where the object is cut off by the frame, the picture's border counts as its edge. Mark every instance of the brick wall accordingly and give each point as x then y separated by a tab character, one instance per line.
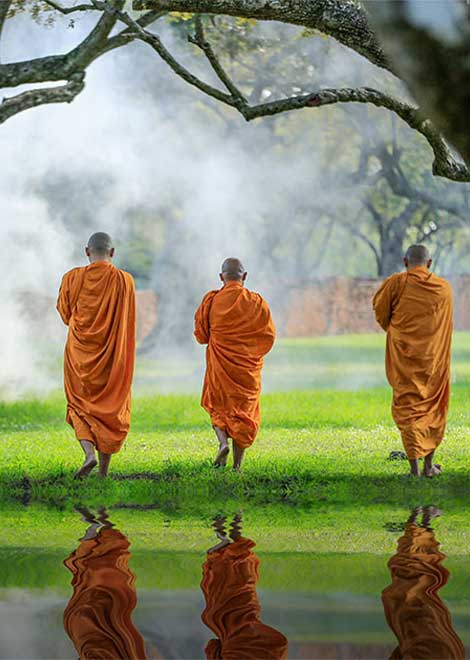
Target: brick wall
332	306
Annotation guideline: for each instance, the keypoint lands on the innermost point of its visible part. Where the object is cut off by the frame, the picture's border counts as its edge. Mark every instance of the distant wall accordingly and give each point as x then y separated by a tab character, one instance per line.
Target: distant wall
331	306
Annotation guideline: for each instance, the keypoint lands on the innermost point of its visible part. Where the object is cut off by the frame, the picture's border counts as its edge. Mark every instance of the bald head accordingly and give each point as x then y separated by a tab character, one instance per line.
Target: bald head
417	255
232	270
100	246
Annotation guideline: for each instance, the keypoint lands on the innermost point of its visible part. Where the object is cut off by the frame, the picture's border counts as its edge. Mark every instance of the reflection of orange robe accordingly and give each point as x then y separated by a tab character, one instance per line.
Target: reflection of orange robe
418	617
232	608
415	309
98	304
237	326
98	616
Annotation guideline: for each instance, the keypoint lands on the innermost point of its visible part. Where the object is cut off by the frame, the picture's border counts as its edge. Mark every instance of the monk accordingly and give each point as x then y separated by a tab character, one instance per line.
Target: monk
98	616
237	327
230	575
415	309
97	302
414	611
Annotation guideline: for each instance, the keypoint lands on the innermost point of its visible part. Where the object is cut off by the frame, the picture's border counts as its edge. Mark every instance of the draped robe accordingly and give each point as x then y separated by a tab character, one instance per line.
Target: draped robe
414	611
415	309
98	617
97	302
237	327
232	608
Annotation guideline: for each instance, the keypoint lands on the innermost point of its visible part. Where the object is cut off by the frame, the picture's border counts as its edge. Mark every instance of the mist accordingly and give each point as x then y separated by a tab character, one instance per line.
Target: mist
141	154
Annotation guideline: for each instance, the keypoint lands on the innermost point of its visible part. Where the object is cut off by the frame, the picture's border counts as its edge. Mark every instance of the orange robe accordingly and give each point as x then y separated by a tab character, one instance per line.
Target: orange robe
98	616
232	609
237	327
415	309
414	611
97	302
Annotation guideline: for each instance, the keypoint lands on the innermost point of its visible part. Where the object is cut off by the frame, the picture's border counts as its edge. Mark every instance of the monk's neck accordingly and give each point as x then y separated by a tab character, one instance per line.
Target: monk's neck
418	269
232	283
101	261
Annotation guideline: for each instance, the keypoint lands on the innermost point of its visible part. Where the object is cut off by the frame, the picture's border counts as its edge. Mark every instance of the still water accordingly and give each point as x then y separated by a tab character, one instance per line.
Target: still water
101	600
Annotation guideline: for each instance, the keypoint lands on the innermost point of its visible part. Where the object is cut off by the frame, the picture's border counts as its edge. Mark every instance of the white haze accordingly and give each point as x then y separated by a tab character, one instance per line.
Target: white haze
138	152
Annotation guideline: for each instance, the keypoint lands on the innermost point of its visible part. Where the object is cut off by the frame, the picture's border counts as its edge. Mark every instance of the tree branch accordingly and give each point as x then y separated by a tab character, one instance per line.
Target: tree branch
33	98
68	10
154	41
54	68
444	163
344	20
4	9
199	40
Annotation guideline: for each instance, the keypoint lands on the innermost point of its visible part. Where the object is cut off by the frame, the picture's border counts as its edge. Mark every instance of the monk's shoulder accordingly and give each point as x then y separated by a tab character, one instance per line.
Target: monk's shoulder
257	298
209	295
73	275
128	278
395	279
445	285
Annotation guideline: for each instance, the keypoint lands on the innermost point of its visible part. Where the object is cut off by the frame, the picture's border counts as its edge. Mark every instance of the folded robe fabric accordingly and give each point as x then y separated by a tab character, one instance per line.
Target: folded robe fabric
98	616
415	309
414	611
232	609
97	302
237	327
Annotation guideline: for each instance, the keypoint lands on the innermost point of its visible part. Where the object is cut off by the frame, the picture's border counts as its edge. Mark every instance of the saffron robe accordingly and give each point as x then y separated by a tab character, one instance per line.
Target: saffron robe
98	616
237	327
415	309
97	302
232	608
414	611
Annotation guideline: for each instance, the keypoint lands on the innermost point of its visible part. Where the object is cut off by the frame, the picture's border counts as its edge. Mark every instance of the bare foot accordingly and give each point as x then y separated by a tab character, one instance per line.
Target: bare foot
433	471
221	458
430	512
86	468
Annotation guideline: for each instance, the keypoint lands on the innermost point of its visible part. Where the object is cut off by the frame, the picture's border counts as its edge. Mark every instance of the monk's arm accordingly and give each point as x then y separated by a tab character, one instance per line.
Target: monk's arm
201	319
270	332
63	301
382	302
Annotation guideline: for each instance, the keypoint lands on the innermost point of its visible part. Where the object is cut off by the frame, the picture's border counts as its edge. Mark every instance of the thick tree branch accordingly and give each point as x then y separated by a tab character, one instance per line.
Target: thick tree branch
4	9
33	98
68	10
444	163
55	68
344	20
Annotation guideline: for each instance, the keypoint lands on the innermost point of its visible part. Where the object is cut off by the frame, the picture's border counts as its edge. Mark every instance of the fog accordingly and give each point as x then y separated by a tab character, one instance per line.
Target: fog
139	143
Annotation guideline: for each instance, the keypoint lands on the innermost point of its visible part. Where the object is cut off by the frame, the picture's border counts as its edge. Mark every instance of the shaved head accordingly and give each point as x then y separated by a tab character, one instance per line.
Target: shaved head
417	255
232	270
100	247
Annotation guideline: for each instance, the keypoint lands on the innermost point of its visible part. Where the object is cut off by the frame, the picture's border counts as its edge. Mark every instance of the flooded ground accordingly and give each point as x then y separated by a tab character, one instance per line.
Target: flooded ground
100	584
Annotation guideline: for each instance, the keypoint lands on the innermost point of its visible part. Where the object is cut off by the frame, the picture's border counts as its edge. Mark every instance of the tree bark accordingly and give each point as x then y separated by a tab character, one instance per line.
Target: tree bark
344	20
429	44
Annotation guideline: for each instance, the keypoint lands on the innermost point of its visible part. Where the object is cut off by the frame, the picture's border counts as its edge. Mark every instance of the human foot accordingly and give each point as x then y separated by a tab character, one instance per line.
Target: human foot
221	458
430	512
88	465
431	471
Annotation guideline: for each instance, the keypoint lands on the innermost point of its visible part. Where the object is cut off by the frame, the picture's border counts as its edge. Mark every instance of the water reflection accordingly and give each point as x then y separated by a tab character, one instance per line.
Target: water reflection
98	617
413	609
230	576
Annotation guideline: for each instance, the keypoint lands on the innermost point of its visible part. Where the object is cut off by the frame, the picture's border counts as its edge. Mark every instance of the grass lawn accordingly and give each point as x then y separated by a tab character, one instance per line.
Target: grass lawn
316	446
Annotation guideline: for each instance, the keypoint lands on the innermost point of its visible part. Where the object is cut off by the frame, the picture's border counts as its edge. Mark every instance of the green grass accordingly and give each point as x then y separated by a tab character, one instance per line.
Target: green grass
319	445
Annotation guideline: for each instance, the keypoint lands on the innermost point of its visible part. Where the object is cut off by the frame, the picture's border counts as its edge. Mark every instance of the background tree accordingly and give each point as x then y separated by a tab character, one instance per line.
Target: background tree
341	19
